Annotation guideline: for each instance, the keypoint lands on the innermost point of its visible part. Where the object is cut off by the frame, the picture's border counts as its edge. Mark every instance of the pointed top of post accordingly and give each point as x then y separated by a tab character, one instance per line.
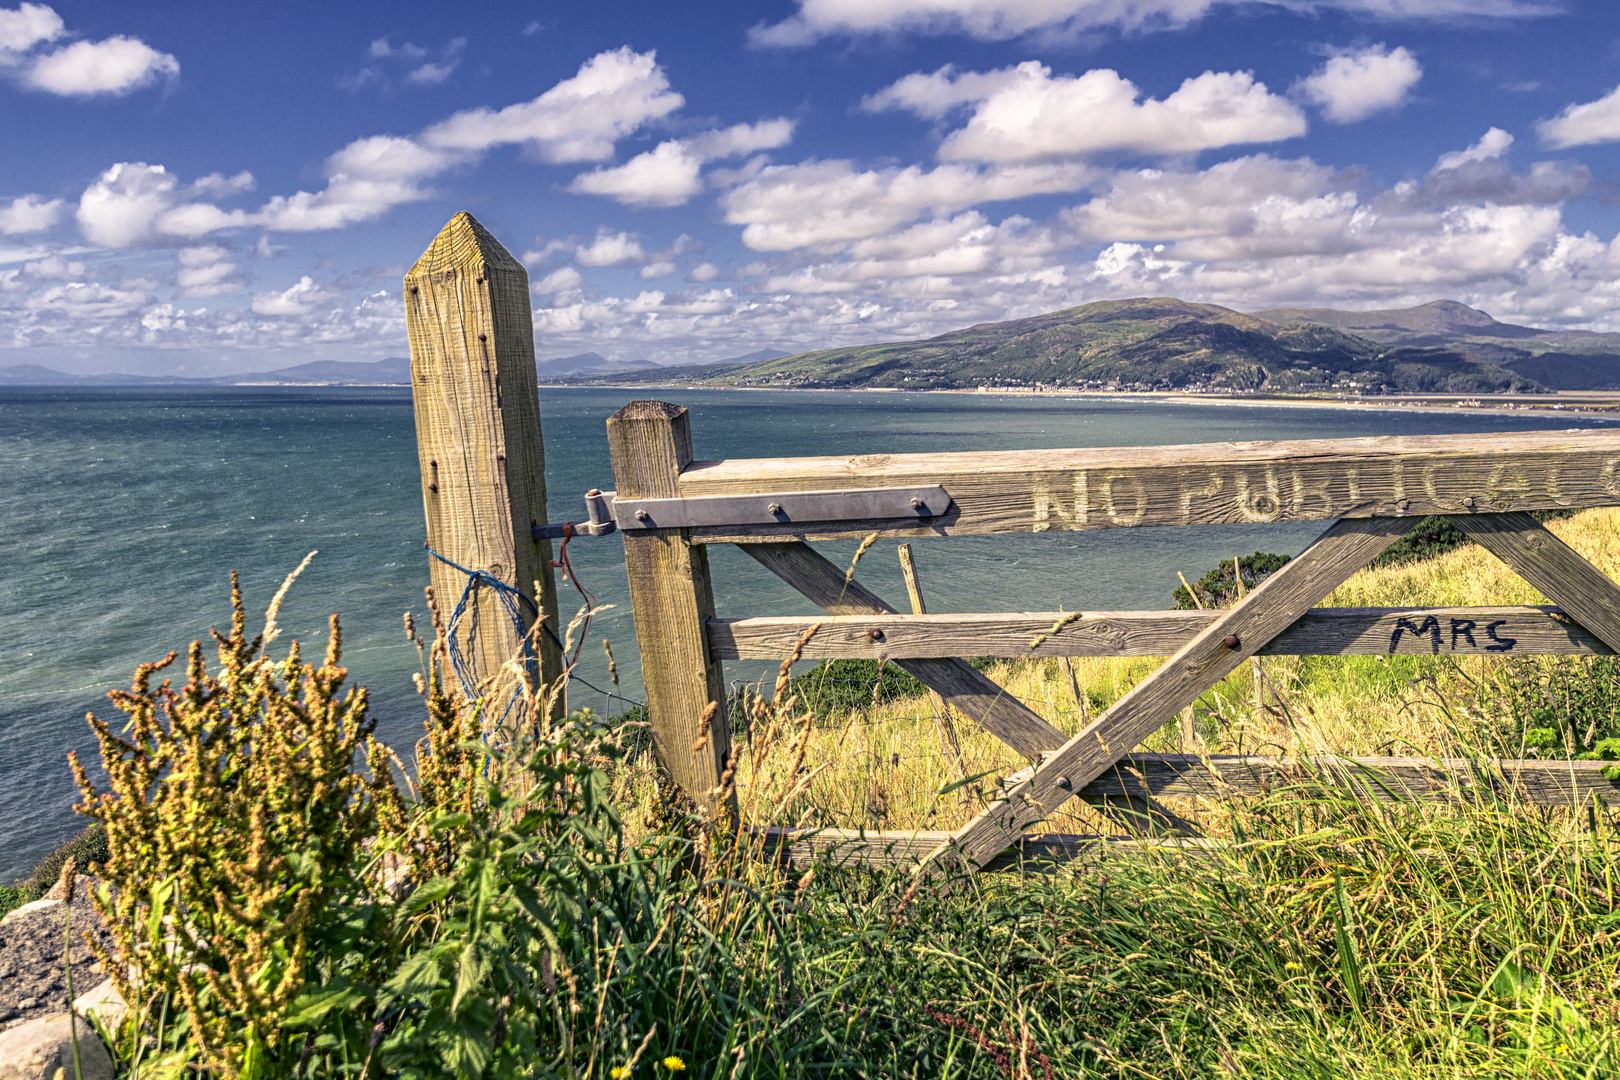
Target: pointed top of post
463	243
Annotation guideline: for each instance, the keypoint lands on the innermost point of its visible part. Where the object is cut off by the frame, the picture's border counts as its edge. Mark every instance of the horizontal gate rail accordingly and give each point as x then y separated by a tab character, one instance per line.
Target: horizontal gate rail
1462	631
1201	484
1384	780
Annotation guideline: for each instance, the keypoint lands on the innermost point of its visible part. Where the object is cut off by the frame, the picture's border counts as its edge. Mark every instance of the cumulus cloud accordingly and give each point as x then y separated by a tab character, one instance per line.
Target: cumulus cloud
579	119
819	203
1024	114
669	174
1493	144
1584	125
206	270
999	20
29	214
560	280
26	26
117	65
298	300
611	249
1357	83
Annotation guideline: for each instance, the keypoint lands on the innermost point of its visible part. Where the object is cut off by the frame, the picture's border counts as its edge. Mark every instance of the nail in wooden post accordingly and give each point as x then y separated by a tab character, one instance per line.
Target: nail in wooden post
942	711
651	443
478	433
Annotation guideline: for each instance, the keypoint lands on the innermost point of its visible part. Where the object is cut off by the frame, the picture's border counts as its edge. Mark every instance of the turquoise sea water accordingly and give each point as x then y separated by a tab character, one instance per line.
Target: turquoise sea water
123	511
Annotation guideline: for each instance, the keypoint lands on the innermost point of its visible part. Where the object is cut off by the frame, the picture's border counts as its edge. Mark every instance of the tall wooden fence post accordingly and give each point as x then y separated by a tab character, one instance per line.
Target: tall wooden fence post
651	443
478	434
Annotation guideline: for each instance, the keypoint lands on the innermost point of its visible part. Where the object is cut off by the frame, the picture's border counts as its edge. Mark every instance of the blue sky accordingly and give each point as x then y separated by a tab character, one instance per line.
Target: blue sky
204	189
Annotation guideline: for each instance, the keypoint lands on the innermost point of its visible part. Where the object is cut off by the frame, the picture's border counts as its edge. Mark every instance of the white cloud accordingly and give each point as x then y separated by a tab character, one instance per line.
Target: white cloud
1493	144
120	208
612	249
662	268
29	214
220	186
1584	125
703	271
26	26
1357	83
669	174
431	74
54	268
560	280
1024	114
206	270
999	20
579	119
299	300
818	203
118	65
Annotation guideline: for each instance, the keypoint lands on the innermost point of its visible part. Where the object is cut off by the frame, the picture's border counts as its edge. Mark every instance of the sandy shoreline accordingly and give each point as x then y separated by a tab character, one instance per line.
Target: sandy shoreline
1602	406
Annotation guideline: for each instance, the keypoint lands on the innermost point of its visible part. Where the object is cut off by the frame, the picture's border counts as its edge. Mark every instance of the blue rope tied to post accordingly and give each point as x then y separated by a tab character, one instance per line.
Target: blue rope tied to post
509	598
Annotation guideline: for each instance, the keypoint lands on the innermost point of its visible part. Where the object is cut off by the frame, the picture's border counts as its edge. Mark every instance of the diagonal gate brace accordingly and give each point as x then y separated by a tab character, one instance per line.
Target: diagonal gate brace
1301	584
997	711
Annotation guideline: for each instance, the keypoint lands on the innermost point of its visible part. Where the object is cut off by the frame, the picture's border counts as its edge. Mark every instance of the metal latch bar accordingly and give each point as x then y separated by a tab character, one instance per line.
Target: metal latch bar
784	508
599	523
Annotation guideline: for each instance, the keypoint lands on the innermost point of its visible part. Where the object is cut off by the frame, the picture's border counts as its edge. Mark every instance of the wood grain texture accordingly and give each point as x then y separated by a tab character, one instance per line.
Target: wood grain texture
478	435
1268	610
672	599
998	712
1588	594
1444	631
1380	779
1048	490
942	712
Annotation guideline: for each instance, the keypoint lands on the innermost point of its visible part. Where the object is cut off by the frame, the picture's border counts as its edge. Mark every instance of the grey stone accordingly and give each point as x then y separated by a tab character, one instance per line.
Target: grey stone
36	1049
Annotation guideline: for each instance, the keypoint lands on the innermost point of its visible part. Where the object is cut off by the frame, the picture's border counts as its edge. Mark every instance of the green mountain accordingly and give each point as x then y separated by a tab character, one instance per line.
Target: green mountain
1145	344
1559	359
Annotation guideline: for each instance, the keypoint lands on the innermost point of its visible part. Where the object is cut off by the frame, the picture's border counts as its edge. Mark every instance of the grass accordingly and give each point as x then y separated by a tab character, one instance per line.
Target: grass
1333	939
1330	939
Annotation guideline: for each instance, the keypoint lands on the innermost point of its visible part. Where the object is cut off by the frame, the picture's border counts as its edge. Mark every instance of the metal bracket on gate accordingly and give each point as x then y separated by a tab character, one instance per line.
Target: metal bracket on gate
597	510
784	508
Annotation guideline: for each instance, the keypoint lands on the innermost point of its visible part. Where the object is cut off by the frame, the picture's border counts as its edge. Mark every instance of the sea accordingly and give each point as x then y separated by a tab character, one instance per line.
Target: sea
123	512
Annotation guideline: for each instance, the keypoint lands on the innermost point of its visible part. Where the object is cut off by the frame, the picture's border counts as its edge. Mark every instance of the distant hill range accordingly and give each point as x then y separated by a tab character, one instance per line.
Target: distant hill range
1156	343
394	371
1166	344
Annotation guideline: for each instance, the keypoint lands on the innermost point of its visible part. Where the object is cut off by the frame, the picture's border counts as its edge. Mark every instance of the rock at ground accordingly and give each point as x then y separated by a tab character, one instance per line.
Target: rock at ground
32	978
36	1049
104	1003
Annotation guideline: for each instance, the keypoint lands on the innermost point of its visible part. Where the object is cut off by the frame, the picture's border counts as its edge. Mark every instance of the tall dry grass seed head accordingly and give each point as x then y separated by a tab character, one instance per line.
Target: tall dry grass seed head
234	811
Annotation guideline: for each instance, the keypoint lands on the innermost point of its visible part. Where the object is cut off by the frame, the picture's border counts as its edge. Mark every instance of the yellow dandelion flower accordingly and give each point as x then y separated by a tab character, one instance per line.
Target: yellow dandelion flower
1562	1049
674	1064
619	1072
1291	966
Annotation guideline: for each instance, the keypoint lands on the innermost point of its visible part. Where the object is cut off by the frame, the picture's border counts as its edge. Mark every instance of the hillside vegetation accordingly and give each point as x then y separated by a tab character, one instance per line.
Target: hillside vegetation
1144	344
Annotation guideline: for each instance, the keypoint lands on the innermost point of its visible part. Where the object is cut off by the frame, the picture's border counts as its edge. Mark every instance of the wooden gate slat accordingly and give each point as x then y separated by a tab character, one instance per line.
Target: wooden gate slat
1558	570
1304	582
997	711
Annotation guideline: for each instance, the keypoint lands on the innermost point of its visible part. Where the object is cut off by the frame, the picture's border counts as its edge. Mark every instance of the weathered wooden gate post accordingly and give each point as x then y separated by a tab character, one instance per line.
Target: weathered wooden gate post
651	443
478	434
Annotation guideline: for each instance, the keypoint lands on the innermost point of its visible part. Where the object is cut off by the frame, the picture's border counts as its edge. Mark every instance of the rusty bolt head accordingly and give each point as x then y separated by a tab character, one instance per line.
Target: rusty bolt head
1469	502
413	290
1232	641
875	634
478	281
1064	783
483	337
1403	504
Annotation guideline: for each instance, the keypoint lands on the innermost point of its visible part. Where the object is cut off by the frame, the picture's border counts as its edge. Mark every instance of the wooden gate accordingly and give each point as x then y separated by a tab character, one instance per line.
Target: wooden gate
669	507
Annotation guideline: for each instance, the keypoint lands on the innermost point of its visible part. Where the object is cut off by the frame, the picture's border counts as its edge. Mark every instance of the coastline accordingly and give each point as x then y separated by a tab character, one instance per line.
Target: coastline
1588	405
